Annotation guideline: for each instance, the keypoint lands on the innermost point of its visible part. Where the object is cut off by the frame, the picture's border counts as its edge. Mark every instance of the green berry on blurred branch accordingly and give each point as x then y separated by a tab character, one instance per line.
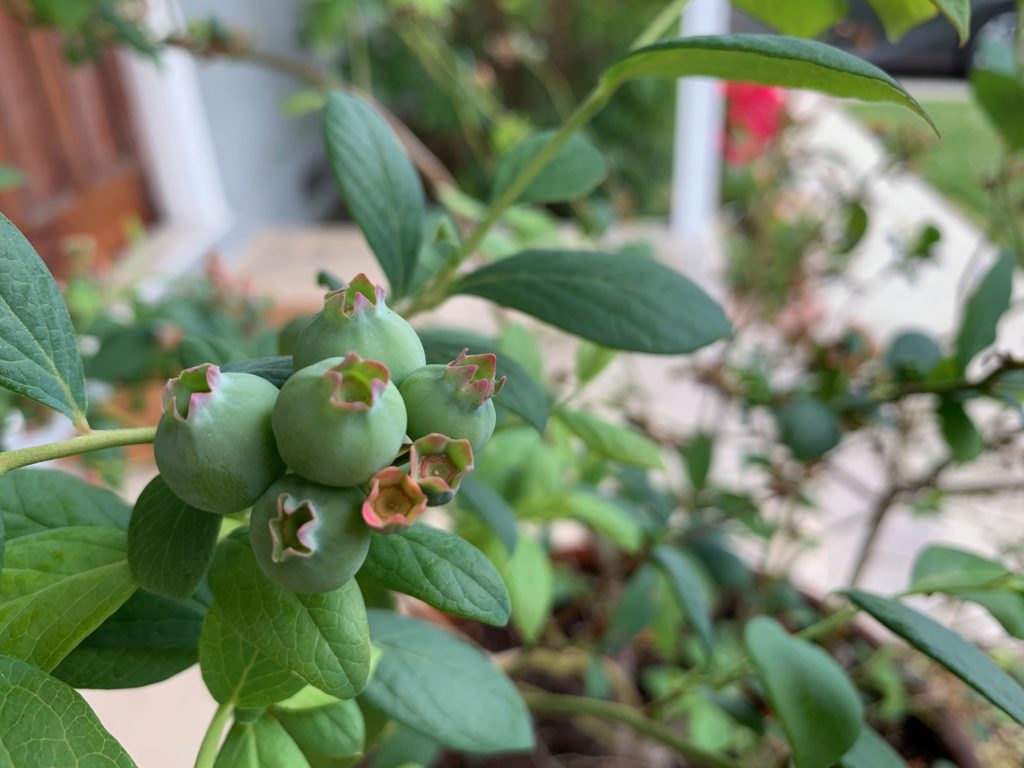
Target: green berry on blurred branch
356	319
453	399
340	421
214	445
309	537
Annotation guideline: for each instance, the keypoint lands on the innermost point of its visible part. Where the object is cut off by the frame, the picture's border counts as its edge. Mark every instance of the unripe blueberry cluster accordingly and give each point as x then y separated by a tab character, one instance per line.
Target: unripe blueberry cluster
363	436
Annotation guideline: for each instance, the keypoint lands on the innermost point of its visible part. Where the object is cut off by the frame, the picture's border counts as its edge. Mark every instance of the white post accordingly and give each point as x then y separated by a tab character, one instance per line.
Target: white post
699	118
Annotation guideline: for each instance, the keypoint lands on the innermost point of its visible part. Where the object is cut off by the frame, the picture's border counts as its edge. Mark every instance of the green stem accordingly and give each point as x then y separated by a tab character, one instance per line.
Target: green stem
661	24
438	290
211	741
576	706
75	446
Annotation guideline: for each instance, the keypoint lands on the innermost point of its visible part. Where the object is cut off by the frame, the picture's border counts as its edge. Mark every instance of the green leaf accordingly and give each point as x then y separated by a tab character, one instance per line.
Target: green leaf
958	13
810	694
37	500
521	394
378	183
591	360
47	723
10	178
808	427
483	501
574	172
169	542
603	515
967	576
697	453
871	751
439	685
38	353
945	569
331	734
856	227
322	638
964	440
766	60
520	343
688	590
148	639
986	305
263	743
276	370
403	747
442	570
1000	95
57	587
900	16
615	442
633	612
236	672
531	585
802	18
950	650
620	301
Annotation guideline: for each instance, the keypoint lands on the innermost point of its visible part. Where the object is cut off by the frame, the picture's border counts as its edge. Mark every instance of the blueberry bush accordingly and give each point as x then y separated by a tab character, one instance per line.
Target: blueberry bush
281	540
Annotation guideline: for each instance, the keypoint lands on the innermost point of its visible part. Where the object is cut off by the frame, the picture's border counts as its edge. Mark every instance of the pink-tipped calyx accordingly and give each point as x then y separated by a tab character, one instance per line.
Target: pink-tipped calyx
190	390
358	297
395	500
474	377
438	464
292	528
357	384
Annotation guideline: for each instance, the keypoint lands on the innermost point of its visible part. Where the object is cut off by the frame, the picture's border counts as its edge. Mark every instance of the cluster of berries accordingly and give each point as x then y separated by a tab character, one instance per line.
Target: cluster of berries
365	435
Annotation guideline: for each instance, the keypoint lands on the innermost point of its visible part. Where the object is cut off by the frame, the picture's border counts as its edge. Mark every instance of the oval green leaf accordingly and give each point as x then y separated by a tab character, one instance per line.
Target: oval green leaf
620	301
57	587
322	638
148	639
169	542
442	570
330	734
263	743
277	370
613	441
35	500
688	590
985	307
531	584
378	183
38	349
487	504
960	657
802	18
574	172
788	62
439	685
815	702
235	672
872	751
47	723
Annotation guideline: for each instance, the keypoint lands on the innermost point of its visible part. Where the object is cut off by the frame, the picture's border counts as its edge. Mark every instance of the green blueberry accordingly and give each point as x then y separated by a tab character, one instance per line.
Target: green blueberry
309	537
339	421
453	400
356	319
214	444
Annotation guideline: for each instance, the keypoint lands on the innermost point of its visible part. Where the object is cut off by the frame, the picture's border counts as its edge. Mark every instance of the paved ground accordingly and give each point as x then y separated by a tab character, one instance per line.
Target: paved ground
284	262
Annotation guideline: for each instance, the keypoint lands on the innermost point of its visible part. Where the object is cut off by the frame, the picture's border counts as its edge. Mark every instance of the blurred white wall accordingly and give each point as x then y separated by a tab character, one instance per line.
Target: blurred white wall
265	159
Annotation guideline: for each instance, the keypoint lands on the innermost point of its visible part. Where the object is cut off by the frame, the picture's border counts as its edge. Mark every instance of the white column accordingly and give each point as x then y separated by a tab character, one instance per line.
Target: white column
699	118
